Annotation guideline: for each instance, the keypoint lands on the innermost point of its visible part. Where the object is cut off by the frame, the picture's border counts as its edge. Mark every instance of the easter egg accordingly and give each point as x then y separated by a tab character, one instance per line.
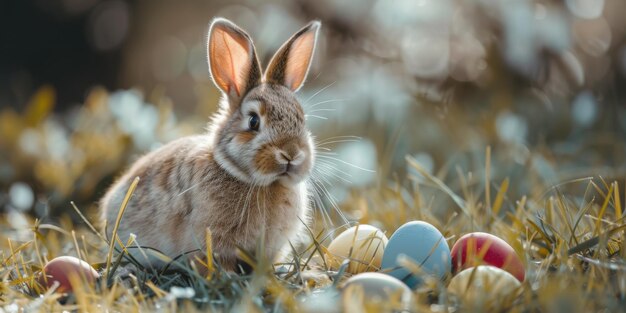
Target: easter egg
367	244
327	300
469	251
60	269
424	245
483	283
380	288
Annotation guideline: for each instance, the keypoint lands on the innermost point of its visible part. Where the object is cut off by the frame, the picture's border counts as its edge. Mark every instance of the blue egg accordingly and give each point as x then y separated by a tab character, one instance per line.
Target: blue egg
422	243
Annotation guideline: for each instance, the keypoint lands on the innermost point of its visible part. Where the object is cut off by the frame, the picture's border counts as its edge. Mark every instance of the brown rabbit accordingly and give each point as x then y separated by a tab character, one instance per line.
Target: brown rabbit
246	176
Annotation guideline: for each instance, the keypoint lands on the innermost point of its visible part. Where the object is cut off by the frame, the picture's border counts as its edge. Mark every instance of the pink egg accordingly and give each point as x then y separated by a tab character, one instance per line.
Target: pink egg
469	251
60	269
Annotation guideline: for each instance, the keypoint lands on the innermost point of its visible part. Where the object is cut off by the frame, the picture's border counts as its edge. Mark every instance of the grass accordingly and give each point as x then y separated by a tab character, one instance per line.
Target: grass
571	246
569	234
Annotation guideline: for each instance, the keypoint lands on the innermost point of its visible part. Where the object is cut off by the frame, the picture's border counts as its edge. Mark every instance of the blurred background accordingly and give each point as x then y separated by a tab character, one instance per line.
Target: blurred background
87	86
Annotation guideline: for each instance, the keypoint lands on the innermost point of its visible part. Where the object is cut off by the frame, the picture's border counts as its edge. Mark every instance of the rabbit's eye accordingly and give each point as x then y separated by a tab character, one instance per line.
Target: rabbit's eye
254	122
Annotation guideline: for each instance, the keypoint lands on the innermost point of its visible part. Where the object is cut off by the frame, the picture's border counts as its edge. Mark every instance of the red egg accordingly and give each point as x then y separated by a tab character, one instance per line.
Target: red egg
62	268
469	251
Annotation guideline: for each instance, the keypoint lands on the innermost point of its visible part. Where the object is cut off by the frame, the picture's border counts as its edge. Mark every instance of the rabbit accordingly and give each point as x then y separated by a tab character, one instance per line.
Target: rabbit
246	177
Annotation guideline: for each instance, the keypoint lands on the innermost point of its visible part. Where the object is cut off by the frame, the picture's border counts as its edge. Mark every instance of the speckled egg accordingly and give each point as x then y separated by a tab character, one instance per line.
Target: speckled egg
422	243
60	269
469	251
367	243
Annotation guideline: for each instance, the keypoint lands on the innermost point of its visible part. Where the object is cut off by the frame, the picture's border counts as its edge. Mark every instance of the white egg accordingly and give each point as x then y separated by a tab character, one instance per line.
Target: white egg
483	284
325	300
367	244
382	291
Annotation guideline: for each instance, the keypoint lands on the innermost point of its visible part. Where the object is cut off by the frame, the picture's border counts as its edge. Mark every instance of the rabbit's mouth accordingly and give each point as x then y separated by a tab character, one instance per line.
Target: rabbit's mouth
289	171
291	174
286	169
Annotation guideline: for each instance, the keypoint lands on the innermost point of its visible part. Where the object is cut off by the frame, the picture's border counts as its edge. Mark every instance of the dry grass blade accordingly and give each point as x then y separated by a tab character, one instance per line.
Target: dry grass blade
588	244
497	204
15	252
617	201
582	213
91	227
488	177
605	204
209	253
544	236
129	193
458	200
55	228
564	214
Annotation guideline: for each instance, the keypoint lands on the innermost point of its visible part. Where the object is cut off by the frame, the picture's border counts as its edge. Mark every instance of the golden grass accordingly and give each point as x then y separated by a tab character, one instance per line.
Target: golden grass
569	235
573	255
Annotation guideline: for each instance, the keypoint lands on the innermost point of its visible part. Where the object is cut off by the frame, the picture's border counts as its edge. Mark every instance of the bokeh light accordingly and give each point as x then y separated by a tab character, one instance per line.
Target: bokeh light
109	25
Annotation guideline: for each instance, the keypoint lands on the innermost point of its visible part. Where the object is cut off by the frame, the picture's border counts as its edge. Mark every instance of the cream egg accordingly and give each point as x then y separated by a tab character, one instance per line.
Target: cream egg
484	284
363	244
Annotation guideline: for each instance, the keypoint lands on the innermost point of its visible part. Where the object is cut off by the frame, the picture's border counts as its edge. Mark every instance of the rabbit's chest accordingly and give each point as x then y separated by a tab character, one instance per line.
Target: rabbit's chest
277	213
287	220
286	208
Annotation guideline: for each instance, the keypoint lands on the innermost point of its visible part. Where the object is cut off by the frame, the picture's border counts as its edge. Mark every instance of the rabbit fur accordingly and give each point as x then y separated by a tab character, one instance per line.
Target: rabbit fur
240	182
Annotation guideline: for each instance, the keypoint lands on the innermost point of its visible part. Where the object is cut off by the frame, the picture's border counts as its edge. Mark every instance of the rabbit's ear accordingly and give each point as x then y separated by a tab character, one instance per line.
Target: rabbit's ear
233	62
291	63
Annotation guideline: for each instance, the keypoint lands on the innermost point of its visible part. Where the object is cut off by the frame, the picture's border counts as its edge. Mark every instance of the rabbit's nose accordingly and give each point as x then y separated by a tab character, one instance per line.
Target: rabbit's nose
284	161
286	158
